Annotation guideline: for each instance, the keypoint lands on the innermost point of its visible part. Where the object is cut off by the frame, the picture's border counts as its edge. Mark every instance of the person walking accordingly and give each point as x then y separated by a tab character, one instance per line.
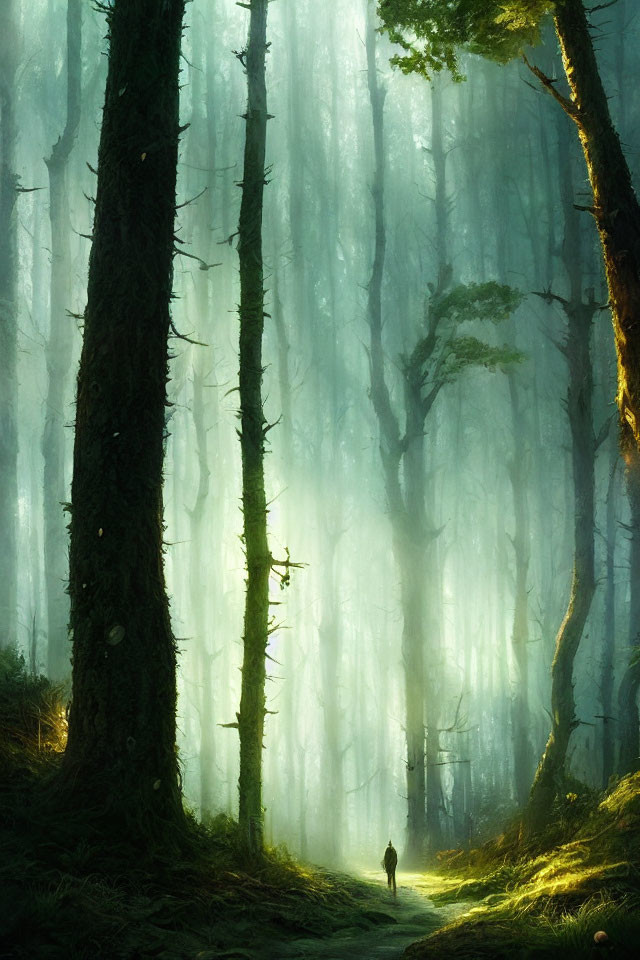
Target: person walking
390	863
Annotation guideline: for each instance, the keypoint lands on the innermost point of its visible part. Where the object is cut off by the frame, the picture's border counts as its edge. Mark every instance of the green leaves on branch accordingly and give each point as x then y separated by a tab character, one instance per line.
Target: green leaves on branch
431	32
476	301
443	353
493	302
466	352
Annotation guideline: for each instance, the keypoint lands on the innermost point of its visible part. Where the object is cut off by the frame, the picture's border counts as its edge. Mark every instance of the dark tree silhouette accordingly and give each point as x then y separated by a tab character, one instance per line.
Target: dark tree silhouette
121	750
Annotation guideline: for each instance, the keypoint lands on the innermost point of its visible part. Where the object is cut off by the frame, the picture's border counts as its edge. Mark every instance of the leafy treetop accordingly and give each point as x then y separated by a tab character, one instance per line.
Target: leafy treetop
431	31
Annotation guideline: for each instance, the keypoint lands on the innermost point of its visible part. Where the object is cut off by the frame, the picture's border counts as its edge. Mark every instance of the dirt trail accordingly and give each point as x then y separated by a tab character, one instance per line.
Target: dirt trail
414	914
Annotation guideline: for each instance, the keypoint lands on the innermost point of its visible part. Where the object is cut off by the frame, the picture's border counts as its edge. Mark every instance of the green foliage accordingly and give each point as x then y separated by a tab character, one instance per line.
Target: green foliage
550	902
469	303
477	301
470	352
32	714
431	32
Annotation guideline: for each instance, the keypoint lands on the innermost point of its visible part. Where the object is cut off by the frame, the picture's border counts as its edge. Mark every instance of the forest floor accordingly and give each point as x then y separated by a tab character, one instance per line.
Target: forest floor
411	914
547	898
69	892
72	889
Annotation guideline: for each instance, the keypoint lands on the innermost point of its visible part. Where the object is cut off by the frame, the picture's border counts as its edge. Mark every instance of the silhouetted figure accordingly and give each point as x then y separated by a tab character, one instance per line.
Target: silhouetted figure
390	863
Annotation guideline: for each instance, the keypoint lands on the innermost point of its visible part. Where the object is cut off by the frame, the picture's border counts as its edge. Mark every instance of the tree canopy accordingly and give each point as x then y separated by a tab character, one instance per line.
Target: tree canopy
431	32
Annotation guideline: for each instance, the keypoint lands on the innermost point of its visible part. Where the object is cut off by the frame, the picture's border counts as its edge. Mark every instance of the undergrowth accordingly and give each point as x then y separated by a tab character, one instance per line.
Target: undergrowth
71	891
33	724
544	898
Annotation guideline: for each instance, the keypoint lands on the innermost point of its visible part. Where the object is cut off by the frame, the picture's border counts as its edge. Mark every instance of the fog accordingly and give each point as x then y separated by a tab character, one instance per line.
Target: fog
475	181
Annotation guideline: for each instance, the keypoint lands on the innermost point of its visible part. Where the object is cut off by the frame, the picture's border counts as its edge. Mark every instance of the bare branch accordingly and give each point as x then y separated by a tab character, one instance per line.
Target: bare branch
567	105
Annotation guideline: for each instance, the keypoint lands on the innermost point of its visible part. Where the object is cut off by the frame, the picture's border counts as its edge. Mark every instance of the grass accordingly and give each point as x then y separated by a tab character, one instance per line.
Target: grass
68	892
545	898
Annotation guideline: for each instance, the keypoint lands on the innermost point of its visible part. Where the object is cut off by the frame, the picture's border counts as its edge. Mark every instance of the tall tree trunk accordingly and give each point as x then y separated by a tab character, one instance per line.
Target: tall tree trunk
122	734
286	433
439	158
296	158
616	209
406	512
202	155
419	657
391	453
629	732
609	619
523	761
330	637
259	560
58	355
577	349
517	468
8	327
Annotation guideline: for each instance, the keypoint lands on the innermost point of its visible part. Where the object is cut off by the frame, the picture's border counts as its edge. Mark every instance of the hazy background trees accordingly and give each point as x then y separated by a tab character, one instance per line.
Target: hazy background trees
472	180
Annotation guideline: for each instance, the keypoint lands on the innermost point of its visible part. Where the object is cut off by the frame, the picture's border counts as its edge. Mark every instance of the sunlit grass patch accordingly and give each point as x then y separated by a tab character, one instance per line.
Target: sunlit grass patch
552	903
33	722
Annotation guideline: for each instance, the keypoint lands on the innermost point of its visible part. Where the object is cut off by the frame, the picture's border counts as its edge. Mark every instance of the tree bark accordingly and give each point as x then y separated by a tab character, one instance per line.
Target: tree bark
58	354
8	327
579	314
252	436
391	453
616	209
629	755
517	468
609	620
121	751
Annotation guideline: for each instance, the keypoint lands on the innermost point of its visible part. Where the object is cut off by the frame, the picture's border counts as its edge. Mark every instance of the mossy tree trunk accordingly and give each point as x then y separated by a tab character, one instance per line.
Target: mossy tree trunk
252	436
615	208
8	327
121	751
628	716
58	355
579	312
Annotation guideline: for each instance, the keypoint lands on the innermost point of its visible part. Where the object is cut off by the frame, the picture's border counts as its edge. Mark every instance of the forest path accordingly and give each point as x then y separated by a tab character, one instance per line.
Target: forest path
414	914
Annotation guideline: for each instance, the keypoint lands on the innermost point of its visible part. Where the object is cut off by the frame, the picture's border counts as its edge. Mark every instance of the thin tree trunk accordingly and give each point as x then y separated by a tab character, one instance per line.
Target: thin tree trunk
579	313
203	155
121	750
412	539
439	158
58	355
289	645
256	615
329	632
391	452
8	327
517	467
609	620
629	755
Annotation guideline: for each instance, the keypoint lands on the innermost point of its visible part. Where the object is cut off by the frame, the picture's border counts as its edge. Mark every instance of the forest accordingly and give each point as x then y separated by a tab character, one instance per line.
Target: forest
319	479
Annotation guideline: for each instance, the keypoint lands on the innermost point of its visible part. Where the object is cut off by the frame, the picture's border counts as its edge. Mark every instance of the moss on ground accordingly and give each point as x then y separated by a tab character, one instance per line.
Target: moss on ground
537	902
69	891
